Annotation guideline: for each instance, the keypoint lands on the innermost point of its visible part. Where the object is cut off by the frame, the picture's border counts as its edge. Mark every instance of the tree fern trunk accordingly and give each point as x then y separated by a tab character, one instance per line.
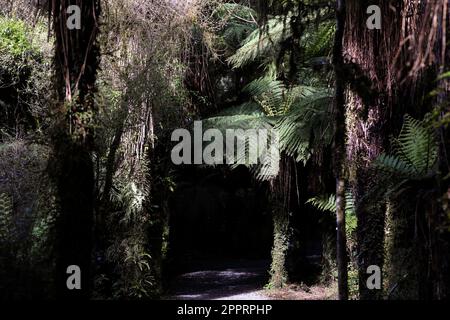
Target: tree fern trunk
364	119
280	199
383	86
280	246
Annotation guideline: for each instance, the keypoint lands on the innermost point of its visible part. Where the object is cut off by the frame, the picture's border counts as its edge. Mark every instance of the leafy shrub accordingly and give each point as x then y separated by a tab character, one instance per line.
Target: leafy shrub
27	211
25	74
13	38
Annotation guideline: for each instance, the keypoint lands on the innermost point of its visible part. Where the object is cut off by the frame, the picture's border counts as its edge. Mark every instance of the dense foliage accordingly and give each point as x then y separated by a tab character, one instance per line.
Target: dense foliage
86	123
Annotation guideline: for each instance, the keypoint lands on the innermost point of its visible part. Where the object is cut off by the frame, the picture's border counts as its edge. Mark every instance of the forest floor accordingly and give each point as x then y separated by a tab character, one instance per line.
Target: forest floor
302	292
238	280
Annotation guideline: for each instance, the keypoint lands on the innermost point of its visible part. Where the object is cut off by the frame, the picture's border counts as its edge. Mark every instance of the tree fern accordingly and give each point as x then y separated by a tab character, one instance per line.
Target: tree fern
297	118
297	115
298	123
303	115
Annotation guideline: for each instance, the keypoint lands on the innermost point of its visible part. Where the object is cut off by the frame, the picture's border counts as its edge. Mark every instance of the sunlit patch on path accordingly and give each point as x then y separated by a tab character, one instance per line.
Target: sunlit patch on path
240	281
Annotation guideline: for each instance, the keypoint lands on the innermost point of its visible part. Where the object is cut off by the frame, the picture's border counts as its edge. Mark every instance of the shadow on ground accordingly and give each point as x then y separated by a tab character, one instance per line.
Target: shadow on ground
237	280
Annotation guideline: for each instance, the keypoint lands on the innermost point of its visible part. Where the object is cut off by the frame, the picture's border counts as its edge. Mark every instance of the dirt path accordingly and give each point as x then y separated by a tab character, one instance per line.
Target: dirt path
238	280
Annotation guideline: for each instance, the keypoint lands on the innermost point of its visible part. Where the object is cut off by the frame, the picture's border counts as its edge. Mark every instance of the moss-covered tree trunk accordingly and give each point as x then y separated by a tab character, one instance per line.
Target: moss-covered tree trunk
76	65
388	77
280	202
367	64
278	271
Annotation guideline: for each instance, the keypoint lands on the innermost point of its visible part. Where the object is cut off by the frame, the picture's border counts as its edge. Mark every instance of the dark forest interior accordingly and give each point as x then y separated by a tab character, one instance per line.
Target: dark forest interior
224	150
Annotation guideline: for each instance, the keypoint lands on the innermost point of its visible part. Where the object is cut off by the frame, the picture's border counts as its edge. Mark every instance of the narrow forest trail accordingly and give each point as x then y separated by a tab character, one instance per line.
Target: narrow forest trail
235	280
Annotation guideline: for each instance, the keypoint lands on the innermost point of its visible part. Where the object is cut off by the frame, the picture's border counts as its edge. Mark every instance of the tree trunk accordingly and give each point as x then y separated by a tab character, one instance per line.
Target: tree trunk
280	202
365	137
341	256
278	271
339	146
382	86
76	64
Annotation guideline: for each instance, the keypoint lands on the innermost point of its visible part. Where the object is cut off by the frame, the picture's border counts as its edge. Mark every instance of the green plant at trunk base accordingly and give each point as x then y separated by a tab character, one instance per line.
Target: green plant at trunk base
278	272
327	203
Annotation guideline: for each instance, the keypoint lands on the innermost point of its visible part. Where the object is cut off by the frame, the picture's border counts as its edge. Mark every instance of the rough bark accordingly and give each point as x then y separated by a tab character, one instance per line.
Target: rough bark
365	107
76	64
339	145
280	199
385	82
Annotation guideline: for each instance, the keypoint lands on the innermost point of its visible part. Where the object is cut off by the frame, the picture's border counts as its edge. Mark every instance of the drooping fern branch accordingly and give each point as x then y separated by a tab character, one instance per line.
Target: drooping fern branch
318	40
305	126
323	203
298	117
327	203
262	43
415	152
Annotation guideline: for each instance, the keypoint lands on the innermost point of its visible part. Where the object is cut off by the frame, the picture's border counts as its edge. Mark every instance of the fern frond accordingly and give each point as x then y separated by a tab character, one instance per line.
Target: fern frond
393	165
245	117
298	119
415	151
323	203
305	125
327	203
261	43
417	145
318	40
